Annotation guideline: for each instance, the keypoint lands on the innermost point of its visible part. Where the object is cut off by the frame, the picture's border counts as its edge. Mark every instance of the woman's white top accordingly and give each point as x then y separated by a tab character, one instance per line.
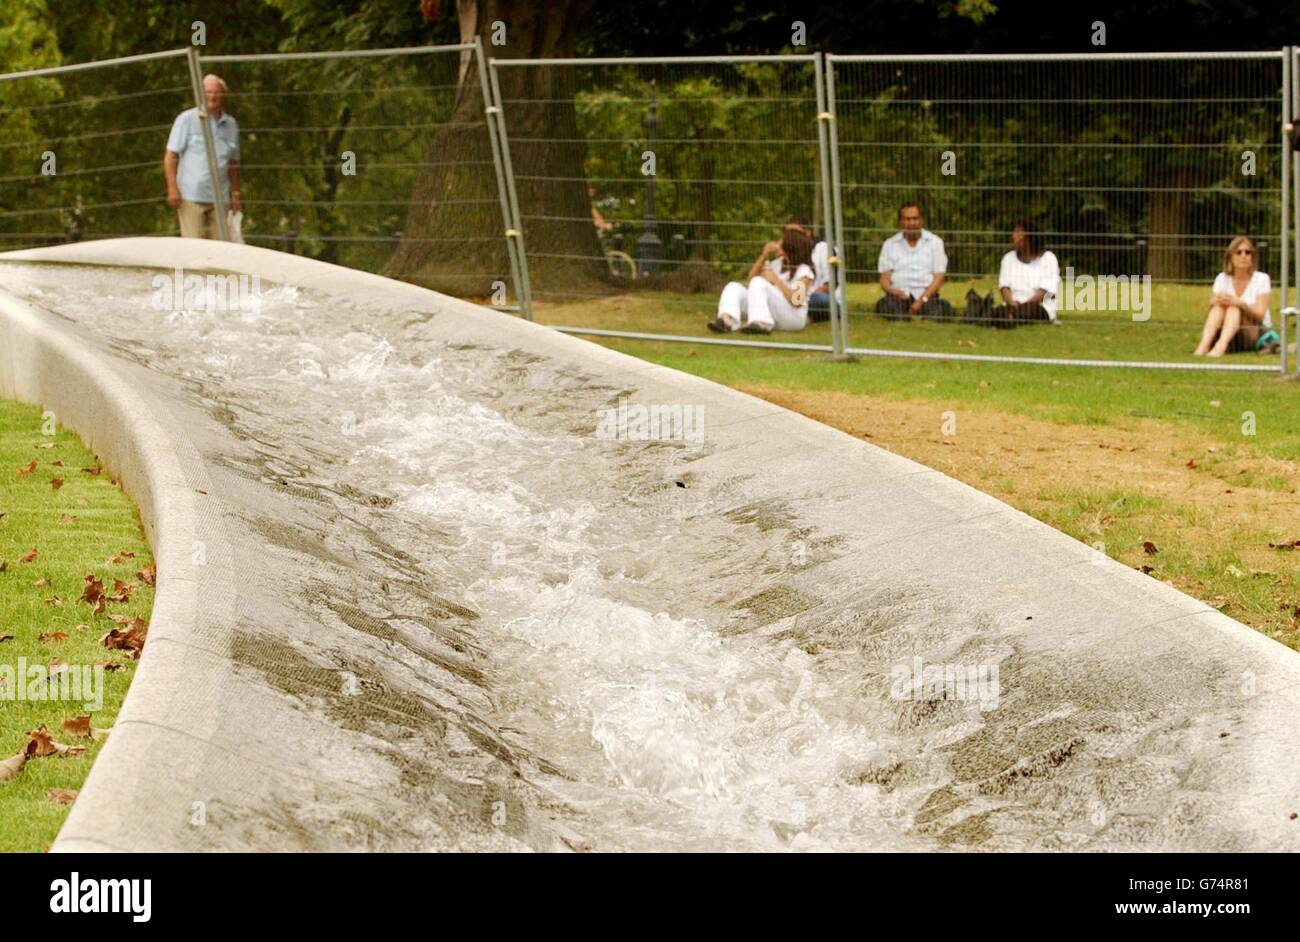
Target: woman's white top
1259	284
1025	279
803	271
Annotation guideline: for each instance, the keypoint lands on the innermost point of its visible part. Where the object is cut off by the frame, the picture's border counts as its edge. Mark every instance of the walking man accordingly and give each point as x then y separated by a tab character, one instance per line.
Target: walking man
185	164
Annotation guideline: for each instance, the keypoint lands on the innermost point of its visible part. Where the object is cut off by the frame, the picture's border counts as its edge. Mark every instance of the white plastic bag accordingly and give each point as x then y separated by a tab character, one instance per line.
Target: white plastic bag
235	226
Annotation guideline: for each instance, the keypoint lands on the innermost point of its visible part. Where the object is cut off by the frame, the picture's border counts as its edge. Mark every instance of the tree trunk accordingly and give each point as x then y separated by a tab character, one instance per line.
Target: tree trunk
1167	252
539	106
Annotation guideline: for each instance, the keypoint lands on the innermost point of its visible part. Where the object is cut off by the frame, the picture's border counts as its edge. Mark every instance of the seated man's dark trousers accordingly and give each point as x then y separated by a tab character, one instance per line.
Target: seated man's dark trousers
898	309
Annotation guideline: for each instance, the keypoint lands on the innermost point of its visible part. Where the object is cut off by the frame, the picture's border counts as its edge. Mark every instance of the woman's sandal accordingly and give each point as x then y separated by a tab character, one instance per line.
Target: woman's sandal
755	329
719	326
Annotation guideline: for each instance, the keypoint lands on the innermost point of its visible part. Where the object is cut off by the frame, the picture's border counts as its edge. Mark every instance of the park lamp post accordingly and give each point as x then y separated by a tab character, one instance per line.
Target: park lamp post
649	248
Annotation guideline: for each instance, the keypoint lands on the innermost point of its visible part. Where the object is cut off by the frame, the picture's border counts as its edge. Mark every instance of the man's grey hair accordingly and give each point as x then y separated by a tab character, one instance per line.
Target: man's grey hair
221	83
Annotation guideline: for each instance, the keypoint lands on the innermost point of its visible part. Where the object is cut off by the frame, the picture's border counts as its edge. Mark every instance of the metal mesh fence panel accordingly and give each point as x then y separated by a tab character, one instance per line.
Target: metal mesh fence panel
1138	170
377	160
81	153
646	185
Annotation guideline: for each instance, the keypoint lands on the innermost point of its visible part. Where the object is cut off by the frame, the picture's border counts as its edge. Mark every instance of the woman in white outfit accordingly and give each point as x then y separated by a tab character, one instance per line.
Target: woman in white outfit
1238	318
776	297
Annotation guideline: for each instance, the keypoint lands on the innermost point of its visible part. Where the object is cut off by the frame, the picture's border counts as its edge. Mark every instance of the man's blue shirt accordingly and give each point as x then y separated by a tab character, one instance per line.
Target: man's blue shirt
186	140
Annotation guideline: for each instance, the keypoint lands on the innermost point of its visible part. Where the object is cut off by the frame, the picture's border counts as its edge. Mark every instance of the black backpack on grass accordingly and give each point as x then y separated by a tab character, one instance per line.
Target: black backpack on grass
984	313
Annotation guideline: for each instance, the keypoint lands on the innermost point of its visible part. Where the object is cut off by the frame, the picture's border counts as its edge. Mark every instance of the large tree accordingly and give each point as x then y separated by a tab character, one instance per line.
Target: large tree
460	159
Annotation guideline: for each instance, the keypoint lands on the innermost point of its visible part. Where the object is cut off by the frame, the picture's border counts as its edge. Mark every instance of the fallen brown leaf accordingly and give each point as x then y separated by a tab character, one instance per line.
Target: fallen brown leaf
78	726
129	639
6	637
45	445
56	463
62	796
57	665
67	518
118	557
148	575
1149	548
52	637
1286	545
53	600
93	594
40	583
47	745
25	469
10	767
108	665
56	483
95	470
30	556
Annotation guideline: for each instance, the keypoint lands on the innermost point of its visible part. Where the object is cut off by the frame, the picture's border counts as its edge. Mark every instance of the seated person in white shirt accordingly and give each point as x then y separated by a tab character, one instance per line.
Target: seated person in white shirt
912	267
1029	279
776	295
1238	318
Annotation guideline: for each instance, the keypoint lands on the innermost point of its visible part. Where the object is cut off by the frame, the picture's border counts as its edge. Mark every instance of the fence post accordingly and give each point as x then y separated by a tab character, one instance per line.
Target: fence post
1285	184
836	216
824	119
209	145
1293	62
490	112
517	230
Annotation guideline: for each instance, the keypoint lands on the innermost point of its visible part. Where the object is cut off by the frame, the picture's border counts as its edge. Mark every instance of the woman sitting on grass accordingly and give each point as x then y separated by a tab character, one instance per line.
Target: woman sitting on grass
1028	282
776	298
1238	318
1029	279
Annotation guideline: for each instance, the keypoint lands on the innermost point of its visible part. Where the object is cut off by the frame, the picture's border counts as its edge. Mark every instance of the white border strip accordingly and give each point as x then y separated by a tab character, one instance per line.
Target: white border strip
923	355
338	54
101	64
658	60
1052	56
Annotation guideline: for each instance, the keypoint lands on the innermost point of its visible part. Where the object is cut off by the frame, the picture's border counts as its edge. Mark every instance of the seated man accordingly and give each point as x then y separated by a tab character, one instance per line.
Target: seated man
912	267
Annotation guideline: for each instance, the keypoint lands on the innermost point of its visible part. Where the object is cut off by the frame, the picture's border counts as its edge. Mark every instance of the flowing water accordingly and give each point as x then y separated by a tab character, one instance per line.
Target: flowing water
594	577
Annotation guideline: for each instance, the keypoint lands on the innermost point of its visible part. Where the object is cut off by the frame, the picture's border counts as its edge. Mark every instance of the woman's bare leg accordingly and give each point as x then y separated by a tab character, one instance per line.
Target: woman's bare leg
1213	321
1231	324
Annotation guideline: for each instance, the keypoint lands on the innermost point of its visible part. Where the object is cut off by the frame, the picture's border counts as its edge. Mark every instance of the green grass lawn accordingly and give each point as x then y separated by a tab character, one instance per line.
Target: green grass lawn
1176	315
1219	404
75	529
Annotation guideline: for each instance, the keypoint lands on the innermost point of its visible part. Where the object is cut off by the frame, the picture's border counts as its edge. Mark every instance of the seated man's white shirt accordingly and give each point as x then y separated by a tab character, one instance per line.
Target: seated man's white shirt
913	267
821	263
186	140
1025	279
1259	284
